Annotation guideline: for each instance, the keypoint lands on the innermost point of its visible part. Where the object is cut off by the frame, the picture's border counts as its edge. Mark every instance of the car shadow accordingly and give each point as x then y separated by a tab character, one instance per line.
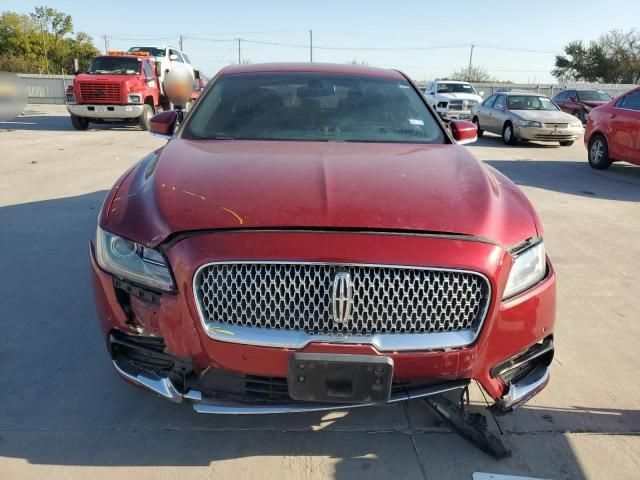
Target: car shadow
620	182
36	120
62	404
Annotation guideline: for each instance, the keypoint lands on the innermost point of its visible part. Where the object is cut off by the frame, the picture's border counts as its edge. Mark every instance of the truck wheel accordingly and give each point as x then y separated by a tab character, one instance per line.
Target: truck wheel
145	118
477	124
79	123
599	153
508	137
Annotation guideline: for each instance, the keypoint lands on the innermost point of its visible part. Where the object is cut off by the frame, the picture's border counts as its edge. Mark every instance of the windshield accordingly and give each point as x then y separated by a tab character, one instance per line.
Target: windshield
593	96
313	107
529	102
153	51
455	88
115	65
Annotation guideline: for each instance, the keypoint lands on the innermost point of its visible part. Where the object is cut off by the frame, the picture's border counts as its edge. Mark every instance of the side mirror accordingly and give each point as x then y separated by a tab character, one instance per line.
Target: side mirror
75	66
173	57
196	74
163	124
463	131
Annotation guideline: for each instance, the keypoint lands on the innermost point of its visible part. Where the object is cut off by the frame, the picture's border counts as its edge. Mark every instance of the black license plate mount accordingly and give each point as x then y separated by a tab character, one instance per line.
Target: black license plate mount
339	378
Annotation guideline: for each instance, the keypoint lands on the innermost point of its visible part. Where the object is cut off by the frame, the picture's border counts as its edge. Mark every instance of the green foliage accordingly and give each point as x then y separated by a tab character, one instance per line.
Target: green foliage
42	42
613	58
474	74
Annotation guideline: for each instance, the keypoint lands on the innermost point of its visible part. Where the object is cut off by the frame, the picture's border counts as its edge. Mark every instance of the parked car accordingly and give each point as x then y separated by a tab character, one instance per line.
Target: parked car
312	237
613	131
580	102
452	99
526	116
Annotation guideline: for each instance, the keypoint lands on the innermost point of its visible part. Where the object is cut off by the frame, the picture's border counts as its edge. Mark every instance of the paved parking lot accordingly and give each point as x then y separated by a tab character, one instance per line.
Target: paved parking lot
64	414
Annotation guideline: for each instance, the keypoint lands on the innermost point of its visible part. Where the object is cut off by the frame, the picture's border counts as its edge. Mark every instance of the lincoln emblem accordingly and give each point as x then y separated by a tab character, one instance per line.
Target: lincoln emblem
342	297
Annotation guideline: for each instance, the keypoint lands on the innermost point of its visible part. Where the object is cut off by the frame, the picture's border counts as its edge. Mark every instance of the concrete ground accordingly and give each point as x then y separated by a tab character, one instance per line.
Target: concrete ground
64	413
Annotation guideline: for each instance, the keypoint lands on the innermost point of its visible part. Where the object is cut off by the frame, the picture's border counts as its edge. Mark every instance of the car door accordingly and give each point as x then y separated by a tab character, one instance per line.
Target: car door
498	113
625	128
483	111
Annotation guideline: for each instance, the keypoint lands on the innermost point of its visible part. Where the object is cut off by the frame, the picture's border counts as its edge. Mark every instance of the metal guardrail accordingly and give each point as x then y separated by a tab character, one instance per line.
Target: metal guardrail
51	88
46	88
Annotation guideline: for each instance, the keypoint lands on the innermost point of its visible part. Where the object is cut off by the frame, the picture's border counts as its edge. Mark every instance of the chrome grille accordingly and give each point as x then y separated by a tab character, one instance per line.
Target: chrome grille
386	299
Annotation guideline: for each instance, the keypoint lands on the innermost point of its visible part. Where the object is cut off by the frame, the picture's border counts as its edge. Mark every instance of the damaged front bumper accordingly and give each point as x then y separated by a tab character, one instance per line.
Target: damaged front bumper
153	371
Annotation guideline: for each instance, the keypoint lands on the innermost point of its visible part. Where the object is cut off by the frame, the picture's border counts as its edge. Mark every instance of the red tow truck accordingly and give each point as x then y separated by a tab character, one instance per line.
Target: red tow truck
119	87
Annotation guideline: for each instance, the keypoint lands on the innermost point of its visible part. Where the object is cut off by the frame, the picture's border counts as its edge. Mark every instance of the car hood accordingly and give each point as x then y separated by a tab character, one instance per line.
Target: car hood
545	116
231	184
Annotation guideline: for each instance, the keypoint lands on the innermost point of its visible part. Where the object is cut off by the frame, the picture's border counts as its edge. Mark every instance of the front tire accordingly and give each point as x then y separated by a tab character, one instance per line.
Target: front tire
599	152
508	136
566	143
79	123
476	122
145	118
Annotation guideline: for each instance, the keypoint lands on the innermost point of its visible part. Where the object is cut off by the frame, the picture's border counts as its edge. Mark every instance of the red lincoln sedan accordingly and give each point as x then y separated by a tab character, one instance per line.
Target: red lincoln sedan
613	131
313	237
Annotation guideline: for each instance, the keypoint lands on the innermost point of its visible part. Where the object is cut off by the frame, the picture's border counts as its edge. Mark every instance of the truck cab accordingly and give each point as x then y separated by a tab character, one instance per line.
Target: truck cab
452	99
117	88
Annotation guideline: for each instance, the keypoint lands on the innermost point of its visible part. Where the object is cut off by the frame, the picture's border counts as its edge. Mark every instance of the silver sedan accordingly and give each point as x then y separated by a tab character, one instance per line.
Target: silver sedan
526	116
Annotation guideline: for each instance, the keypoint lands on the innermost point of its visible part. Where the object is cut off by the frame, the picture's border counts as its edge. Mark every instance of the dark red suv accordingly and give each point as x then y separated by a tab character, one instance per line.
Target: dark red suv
579	103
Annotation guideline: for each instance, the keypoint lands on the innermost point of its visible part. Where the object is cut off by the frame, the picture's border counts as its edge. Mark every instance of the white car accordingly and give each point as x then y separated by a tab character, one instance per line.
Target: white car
167	57
451	98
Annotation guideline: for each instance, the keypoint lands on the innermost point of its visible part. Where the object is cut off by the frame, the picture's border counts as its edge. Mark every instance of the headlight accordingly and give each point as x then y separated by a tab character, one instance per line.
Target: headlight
132	261
71	98
529	123
529	267
134	98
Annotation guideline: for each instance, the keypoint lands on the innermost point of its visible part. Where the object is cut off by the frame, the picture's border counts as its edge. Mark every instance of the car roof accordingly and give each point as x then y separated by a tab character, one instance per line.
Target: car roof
313	68
522	92
451	81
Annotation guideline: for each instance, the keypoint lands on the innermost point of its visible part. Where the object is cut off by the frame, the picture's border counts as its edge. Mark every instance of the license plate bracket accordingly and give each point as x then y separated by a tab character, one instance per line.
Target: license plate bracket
339	378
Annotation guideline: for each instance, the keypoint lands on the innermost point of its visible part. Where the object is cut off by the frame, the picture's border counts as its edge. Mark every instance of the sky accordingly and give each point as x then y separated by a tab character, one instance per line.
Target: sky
422	38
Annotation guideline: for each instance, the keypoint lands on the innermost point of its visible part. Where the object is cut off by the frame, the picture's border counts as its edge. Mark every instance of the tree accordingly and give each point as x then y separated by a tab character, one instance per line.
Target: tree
42	42
476	73
358	63
613	58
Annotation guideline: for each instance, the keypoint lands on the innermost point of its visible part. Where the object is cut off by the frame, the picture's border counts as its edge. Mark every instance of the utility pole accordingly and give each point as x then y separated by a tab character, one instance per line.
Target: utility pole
311	46
470	62
181	40
239	51
106	43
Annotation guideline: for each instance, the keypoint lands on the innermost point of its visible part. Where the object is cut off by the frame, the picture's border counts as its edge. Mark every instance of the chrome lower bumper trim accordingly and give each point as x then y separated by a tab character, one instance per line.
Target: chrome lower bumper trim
116	112
165	388
160	385
297	340
524	389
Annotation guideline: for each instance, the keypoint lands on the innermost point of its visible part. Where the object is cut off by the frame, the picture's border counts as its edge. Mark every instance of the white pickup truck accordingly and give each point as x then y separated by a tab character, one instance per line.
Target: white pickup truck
451	98
167	57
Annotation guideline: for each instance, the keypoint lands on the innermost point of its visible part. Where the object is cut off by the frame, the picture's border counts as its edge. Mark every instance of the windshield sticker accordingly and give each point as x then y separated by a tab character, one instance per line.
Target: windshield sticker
402	131
414	121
